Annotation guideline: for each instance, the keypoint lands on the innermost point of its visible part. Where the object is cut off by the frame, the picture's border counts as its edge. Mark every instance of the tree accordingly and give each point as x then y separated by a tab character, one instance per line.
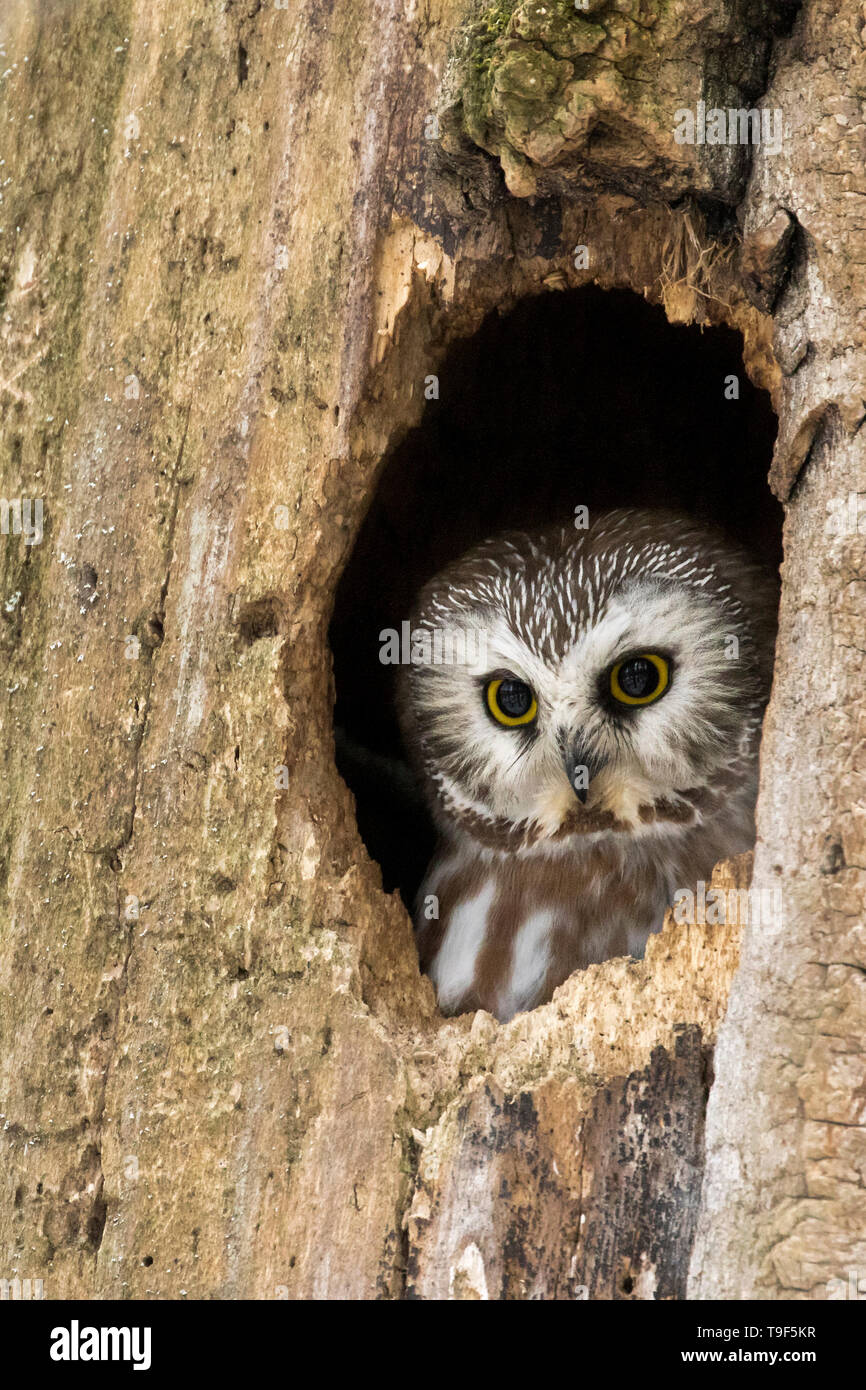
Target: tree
233	247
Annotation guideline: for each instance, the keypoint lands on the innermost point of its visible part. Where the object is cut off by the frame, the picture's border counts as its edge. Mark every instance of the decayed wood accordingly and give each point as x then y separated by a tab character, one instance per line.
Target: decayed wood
599	1091
540	1196
229	259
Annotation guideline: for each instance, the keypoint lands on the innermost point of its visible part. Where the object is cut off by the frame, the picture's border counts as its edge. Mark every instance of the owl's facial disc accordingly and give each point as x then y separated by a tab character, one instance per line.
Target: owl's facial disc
619	673
628	684
614	723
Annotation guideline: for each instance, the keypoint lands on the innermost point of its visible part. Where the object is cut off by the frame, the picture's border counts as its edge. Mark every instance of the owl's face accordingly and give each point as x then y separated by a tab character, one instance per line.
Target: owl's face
613	671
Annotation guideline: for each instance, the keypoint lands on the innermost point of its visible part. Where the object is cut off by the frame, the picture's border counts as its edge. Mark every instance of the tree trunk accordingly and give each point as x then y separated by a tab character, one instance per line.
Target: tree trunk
235	241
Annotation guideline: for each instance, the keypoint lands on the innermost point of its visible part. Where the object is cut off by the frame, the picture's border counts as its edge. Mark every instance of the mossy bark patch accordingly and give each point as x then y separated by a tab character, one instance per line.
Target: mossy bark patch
584	99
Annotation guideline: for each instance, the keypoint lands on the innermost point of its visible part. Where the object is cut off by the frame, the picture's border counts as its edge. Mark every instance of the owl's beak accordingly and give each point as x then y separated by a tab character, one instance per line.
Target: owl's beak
581	766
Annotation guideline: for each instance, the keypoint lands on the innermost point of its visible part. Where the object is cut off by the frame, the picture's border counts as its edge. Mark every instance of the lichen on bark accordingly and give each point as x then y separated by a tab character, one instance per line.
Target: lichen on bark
582	98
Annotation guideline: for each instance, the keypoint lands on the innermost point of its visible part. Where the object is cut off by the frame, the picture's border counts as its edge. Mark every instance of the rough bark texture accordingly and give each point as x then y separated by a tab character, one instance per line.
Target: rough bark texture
783	1212
229	258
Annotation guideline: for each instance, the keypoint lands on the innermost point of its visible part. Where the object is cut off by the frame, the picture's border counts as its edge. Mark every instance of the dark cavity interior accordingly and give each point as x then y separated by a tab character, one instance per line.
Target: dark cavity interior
582	398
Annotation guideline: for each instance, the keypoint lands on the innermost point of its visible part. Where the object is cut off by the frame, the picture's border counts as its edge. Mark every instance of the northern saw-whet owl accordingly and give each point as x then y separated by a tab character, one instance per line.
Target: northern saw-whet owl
588	743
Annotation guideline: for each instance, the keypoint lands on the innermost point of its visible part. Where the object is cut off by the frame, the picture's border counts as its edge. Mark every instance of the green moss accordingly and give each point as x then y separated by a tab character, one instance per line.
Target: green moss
564	31
486	30
496	19
529	74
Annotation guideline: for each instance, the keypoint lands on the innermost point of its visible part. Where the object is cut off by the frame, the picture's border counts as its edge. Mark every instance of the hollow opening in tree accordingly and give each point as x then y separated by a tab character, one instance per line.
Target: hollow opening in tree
584	398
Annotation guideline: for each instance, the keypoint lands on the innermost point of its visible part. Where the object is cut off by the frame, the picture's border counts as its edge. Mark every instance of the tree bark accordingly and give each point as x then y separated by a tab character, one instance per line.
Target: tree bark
782	1213
231	252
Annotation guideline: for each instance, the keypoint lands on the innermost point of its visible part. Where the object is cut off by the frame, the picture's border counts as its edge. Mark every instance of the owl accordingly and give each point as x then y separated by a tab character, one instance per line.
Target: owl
583	709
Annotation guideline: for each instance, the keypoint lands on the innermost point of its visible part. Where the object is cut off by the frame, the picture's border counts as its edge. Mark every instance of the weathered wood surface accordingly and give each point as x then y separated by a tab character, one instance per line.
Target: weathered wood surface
783	1209
535	1195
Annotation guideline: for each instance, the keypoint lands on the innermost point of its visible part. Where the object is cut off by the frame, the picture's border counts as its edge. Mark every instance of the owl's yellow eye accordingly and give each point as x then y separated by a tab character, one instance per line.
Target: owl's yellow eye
511	702
638	680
